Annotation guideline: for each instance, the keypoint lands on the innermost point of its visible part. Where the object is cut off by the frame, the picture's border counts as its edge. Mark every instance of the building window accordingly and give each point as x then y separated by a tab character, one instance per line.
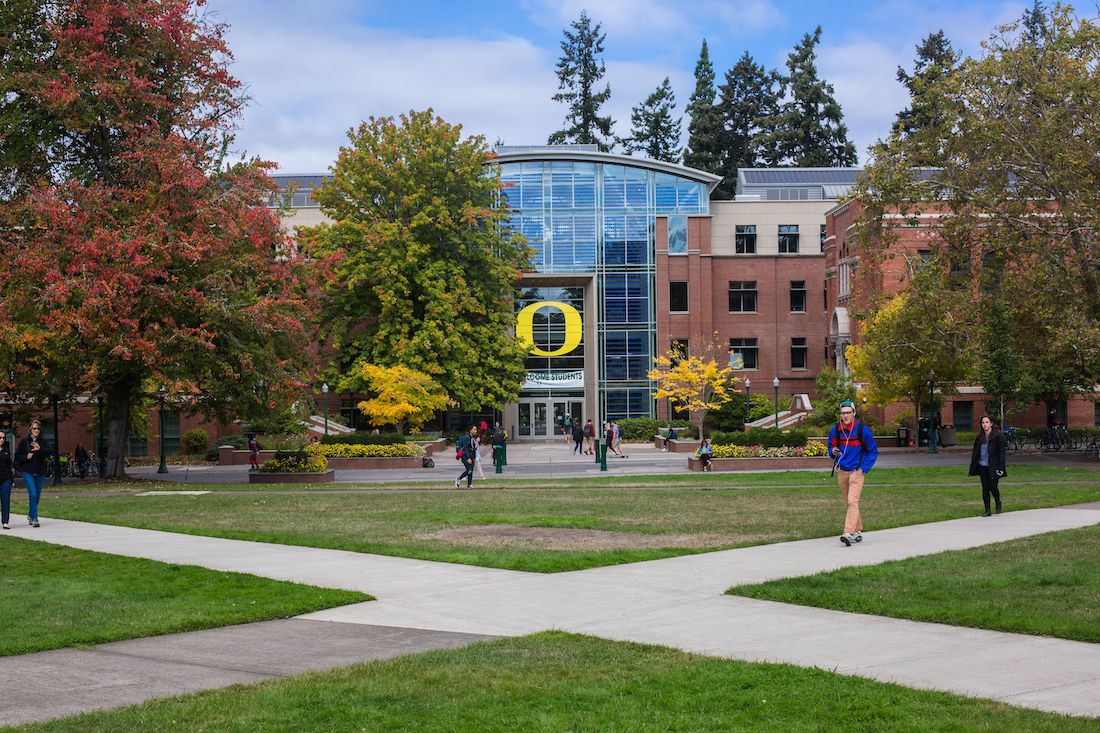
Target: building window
626	403
136	445
677	349
962	416
678	296
798	296
788	238
626	298
171	435
743	353
824	236
745	239
677	235
742	296
825	290
627	355
798	353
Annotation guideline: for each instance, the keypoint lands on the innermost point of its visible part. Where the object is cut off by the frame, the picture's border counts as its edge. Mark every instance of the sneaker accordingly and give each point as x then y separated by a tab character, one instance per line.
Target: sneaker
7	526
456	483
34	523
858	537
30	521
846	539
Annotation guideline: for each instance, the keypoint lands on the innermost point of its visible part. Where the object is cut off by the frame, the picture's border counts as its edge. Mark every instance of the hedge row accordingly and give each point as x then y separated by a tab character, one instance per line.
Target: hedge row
365	451
644	428
764	437
294	461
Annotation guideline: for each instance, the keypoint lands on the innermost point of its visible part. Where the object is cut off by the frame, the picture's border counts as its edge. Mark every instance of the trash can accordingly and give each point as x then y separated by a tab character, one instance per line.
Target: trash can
947	436
922	432
903	437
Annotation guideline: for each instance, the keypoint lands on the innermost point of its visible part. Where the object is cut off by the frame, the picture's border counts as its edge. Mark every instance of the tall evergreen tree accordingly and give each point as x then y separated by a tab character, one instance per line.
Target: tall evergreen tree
749	96
579	70
809	129
656	133
935	60
1036	30
704	149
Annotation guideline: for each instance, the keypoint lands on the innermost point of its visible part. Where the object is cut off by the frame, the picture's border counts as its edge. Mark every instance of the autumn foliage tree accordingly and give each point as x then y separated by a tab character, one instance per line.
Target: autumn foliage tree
400	396
697	383
424	268
140	255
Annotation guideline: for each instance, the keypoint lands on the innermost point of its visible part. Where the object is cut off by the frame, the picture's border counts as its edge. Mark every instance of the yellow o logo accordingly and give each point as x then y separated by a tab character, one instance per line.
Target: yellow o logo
525	327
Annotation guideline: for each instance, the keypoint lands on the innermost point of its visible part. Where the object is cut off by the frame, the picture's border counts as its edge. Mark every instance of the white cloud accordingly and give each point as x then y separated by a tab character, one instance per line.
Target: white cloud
741	18
624	21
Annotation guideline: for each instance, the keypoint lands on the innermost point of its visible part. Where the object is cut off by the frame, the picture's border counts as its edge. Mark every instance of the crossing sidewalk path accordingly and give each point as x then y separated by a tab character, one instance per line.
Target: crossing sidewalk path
677	602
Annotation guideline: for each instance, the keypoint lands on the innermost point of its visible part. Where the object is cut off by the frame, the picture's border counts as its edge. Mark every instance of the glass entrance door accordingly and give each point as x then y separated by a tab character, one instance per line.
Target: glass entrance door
538	424
545	418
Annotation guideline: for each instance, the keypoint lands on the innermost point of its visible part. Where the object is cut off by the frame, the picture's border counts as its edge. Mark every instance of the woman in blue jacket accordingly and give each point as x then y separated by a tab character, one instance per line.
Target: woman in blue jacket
30	459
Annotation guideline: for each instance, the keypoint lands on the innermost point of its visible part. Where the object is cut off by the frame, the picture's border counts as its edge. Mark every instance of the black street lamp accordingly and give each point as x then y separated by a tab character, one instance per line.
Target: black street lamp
56	440
324	390
932	437
748	387
100	454
775	383
163	466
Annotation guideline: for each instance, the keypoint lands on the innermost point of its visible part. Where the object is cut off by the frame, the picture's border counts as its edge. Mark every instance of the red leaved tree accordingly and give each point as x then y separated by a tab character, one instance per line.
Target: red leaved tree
139	256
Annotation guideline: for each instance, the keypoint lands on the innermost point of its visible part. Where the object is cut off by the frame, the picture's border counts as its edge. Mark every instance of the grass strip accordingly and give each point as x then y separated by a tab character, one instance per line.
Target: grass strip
1045	585
914	475
558	682
642	525
53	597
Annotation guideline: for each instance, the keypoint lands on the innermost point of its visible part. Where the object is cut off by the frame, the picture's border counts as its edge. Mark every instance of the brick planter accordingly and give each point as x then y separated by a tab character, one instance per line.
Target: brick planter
318	477
227	456
433	447
676	446
761	464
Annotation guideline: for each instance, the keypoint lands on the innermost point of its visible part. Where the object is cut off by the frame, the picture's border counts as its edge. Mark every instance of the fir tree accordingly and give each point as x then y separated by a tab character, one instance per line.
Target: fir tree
1036	30
750	96
704	150
579	71
935	59
809	129
655	133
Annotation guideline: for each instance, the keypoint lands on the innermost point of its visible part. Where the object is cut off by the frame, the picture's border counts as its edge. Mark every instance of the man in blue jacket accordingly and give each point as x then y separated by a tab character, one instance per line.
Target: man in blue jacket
853	448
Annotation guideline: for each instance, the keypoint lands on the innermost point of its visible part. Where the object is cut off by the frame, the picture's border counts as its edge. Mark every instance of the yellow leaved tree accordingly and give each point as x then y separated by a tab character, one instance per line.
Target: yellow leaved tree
403	397
697	383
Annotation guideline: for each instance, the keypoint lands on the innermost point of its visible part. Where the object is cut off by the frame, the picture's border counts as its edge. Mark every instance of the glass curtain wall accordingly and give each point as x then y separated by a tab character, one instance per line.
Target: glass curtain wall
598	217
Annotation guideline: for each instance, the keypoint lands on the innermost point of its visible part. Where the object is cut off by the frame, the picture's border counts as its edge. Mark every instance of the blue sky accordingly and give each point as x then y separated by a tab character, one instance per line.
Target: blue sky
315	70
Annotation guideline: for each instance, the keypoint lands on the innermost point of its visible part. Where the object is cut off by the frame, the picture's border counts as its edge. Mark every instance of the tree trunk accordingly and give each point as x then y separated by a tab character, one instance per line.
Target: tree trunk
118	419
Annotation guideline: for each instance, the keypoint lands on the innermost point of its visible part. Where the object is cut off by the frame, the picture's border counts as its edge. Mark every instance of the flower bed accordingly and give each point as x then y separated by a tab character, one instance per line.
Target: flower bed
289	467
758	458
346	450
812	449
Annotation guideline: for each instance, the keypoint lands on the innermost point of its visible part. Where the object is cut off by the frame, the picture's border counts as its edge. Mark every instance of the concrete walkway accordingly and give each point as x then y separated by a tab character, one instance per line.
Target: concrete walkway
677	602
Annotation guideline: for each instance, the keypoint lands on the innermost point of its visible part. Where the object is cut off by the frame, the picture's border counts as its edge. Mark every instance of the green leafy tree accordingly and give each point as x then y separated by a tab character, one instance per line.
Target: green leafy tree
656	132
1014	195
424	268
579	70
750	98
1000	370
146	257
833	387
705	135
924	116
809	128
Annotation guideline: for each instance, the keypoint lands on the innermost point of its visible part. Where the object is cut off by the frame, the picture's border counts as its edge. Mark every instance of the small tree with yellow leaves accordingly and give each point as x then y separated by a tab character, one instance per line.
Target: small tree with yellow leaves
403	397
697	383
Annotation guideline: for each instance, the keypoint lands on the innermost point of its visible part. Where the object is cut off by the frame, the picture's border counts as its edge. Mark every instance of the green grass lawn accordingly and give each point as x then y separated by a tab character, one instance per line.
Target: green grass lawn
1047	585
53	597
559	682
880	476
644	524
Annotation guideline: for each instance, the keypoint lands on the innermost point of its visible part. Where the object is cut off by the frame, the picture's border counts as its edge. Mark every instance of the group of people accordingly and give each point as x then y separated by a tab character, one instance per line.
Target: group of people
854	452
584	436
29	460
468	451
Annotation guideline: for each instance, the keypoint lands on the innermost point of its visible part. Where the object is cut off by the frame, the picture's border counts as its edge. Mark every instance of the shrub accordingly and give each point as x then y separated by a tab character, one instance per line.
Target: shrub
365	451
644	428
195	441
811	449
364	439
765	437
238	441
294	462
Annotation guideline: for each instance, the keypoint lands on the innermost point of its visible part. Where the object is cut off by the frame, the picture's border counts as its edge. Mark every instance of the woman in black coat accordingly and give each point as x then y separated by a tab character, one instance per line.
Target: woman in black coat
30	459
5	479
987	461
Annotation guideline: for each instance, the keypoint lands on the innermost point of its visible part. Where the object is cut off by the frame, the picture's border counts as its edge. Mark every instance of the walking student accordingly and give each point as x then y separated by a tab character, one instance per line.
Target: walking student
253	454
30	459
589	436
854	451
5	480
467	447
987	462
578	438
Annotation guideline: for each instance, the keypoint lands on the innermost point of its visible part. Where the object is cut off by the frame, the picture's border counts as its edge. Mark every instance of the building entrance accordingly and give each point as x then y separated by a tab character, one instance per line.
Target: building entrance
545	417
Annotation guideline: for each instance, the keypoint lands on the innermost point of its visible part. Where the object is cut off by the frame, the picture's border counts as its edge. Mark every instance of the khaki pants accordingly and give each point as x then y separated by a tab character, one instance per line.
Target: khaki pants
851	486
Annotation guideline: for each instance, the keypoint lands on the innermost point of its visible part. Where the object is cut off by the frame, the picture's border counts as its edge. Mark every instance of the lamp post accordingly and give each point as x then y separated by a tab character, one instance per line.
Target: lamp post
748	386
932	437
163	466
100	456
324	390
775	383
56	440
